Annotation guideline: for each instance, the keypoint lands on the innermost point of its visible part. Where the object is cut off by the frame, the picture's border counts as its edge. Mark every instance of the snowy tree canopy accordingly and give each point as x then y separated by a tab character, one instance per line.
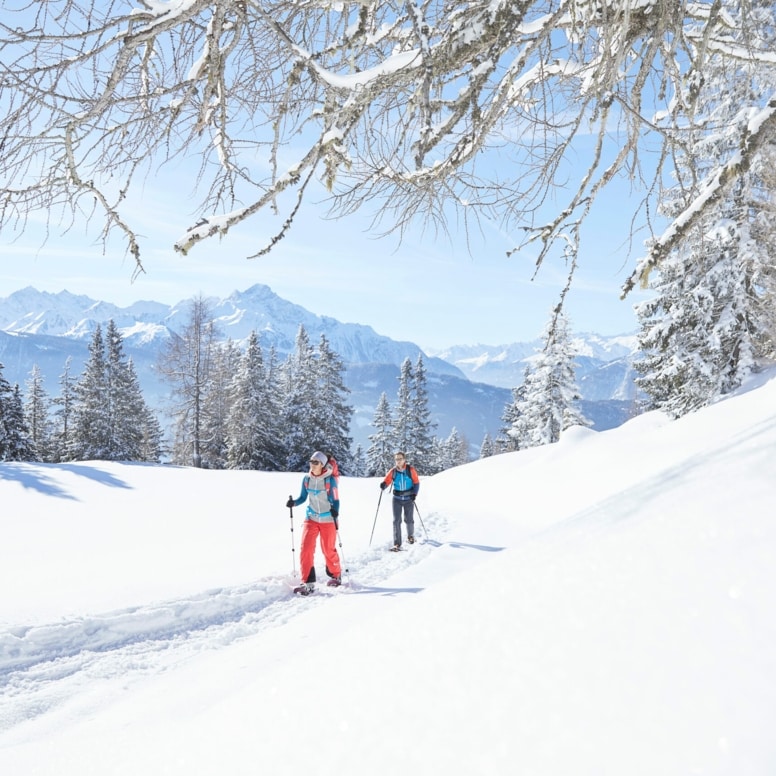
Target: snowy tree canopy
389	105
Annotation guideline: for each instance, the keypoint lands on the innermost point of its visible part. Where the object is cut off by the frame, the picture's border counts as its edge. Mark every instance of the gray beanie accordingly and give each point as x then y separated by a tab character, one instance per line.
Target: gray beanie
320	457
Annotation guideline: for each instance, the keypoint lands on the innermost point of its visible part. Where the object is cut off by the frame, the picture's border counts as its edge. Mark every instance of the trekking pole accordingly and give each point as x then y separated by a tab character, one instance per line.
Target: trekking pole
293	557
375	522
421	519
339	544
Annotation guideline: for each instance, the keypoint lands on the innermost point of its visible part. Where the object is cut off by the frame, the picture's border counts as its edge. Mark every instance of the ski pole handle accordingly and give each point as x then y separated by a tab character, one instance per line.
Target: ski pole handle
293	557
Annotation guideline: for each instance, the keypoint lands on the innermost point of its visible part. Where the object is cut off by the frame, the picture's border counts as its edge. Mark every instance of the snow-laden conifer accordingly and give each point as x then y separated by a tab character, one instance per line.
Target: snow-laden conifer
248	429
379	454
335	413
711	316
92	412
15	443
549	404
299	395
36	414
63	413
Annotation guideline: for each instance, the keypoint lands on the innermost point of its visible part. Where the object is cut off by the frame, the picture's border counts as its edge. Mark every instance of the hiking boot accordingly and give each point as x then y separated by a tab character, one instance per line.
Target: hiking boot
305	588
410	540
334	581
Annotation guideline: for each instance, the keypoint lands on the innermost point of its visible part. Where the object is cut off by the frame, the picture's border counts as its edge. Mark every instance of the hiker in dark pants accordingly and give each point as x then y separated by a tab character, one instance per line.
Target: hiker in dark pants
406	485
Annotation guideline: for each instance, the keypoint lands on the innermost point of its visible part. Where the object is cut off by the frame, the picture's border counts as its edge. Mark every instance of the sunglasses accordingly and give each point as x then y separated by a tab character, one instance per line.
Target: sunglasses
315	463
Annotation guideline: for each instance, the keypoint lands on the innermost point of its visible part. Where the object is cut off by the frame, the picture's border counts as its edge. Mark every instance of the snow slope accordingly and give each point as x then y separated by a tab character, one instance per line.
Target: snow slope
603	606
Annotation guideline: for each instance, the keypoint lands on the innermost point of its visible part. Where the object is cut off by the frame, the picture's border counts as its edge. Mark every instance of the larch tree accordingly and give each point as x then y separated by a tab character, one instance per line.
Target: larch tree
432	111
186	363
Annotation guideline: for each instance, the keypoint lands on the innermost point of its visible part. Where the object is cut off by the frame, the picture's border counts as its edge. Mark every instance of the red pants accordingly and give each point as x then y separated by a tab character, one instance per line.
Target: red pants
328	533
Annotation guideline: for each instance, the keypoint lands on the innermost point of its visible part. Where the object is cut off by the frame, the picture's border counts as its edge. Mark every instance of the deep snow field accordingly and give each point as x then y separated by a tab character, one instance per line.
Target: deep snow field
605	606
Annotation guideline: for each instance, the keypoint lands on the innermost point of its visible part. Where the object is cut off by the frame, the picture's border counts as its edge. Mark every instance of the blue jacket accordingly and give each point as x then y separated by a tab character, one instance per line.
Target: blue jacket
323	493
405	482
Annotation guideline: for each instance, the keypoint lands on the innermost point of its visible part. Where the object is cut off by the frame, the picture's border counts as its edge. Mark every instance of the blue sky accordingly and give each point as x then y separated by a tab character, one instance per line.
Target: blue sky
428	289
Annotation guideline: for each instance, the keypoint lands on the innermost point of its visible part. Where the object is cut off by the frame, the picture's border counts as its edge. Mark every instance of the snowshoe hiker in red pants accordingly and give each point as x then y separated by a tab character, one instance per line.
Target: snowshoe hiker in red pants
320	486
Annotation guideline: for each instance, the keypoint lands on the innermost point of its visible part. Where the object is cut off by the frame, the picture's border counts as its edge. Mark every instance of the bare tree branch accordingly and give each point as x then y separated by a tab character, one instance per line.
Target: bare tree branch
422	111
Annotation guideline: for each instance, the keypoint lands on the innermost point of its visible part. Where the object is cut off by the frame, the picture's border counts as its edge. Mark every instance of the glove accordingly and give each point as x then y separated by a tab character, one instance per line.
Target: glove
334	513
412	496
290	502
383	485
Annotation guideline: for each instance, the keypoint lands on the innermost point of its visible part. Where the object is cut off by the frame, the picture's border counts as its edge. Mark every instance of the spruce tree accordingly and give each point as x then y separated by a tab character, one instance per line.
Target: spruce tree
91	432
249	434
487	448
133	426
379	454
15	444
422	428
550	401
711	317
403	417
216	405
151	433
18	444
273	412
36	415
359	463
110	419
453	451
301	403
334	413
514	433
63	415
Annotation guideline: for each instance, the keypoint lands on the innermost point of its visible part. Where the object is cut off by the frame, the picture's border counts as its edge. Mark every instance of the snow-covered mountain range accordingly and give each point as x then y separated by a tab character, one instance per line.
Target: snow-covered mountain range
469	386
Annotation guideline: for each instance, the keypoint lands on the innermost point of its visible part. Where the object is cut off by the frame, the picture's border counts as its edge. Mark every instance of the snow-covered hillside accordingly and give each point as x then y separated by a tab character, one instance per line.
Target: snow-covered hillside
599	607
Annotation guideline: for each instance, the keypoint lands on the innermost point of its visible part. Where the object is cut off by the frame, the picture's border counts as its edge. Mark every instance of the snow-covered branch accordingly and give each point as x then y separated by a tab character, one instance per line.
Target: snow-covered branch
759	131
425	110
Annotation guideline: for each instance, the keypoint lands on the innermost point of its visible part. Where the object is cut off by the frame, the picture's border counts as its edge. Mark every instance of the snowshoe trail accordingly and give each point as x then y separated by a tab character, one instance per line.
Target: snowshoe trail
41	664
